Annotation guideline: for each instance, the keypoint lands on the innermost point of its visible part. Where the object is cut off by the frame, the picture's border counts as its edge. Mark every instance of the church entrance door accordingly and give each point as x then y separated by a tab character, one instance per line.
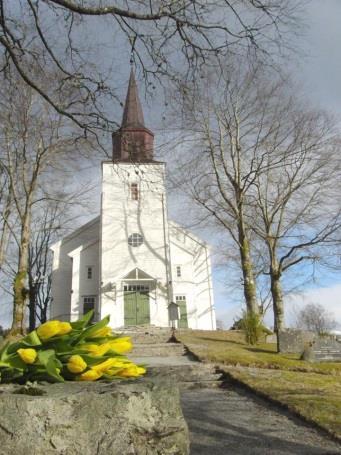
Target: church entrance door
136	304
183	321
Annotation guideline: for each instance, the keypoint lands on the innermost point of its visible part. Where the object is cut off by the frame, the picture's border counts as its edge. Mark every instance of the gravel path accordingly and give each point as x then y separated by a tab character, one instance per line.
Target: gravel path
233	422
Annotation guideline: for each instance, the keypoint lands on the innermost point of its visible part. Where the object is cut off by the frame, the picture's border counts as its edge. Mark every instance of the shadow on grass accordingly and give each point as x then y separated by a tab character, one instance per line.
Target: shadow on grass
220	340
265	351
279	355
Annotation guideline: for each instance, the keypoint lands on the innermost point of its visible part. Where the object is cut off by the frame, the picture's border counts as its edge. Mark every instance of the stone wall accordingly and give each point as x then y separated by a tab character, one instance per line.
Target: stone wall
143	417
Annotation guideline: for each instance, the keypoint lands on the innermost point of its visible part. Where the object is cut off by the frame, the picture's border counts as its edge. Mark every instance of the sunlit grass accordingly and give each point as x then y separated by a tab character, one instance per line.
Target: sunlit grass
229	347
313	390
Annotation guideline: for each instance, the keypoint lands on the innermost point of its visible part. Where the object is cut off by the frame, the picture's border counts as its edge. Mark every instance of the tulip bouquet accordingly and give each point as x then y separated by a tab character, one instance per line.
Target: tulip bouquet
76	351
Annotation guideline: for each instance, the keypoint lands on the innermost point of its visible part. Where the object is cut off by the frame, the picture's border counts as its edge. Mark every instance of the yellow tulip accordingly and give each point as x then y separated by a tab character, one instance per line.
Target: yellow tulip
64	328
90	375
121	363
121	345
132	371
95	349
48	330
112	372
103	332
27	355
53	328
118	365
104	366
76	364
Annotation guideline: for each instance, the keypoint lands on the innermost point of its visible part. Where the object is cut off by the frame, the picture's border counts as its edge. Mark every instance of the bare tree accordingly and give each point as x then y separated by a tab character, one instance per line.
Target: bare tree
263	167
314	317
34	141
5	213
168	39
229	126
298	214
40	261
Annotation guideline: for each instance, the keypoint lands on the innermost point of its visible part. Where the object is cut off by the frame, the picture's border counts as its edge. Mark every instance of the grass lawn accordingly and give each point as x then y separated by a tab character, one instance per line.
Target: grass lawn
313	390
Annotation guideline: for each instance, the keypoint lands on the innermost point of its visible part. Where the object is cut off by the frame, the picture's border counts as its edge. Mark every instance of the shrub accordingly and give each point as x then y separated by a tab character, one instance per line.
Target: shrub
252	326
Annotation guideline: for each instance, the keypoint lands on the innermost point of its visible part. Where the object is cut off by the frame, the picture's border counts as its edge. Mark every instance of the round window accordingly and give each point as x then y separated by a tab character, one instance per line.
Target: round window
135	239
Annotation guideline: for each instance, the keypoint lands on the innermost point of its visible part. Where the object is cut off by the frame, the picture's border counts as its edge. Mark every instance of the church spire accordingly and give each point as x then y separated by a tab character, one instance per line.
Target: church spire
133	114
133	141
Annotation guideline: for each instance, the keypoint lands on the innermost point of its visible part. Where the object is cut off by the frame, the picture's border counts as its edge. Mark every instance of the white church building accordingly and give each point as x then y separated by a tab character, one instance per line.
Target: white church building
131	261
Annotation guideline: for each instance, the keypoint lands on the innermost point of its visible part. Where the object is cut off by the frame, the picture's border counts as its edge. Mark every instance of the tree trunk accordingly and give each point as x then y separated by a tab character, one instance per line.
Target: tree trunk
5	235
21	292
248	275
32	305
277	299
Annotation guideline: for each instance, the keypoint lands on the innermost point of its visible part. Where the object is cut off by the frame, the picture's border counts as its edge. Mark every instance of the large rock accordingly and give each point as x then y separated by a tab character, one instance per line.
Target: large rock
140	417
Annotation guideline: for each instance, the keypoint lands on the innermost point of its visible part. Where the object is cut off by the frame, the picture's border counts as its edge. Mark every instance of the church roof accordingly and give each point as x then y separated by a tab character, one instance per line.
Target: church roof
133	114
187	232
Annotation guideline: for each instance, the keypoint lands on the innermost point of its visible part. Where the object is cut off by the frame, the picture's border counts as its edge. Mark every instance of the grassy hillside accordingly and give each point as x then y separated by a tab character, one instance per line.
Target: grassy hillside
312	390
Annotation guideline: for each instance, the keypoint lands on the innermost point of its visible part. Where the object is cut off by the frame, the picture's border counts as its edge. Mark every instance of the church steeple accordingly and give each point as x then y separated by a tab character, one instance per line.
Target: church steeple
132	114
133	141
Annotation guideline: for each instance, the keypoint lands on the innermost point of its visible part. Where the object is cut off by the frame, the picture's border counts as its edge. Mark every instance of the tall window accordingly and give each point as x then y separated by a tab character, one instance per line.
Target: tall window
134	191
89	271
178	271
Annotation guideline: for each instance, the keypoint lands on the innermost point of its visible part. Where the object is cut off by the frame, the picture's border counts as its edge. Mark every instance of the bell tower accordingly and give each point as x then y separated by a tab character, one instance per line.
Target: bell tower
133	141
135	249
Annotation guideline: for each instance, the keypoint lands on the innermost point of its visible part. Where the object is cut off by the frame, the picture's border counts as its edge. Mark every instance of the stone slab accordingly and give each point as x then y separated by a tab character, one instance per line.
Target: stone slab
158	349
141	417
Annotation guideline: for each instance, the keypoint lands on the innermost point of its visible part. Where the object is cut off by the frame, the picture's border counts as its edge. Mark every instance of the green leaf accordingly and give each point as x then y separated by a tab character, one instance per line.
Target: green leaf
51	363
61	346
13	347
15	362
32	339
52	367
93	328
81	323
44	356
3	351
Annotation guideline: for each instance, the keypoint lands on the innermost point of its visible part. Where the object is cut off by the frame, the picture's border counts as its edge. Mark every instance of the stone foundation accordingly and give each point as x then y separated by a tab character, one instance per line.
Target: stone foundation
141	417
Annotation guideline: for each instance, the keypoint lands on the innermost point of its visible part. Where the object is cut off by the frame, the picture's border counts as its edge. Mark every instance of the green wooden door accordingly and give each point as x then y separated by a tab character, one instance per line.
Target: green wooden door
136	305
181	301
